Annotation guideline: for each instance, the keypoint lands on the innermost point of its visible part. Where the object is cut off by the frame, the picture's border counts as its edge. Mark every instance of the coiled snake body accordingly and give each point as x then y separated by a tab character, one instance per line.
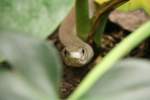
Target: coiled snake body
76	52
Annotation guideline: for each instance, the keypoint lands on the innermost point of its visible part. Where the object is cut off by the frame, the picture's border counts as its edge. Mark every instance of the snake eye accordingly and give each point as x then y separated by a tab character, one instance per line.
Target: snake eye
83	51
66	53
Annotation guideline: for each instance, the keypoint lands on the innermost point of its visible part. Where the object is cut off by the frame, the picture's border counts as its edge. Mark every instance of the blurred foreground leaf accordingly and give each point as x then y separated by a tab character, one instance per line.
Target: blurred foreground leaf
127	80
36	69
33	17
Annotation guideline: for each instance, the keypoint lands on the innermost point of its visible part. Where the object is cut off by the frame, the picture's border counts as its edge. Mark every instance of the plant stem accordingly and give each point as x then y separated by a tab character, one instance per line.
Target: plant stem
101	29
116	54
100	18
82	19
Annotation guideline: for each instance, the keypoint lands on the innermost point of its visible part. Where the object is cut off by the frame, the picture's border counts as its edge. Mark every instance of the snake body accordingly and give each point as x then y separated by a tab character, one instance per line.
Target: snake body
75	52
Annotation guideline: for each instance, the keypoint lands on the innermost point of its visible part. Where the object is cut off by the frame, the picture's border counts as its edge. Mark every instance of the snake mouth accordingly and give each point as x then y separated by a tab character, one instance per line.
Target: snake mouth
75	61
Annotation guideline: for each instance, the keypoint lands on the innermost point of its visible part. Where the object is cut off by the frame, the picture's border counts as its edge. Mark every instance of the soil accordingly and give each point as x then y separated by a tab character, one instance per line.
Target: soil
112	36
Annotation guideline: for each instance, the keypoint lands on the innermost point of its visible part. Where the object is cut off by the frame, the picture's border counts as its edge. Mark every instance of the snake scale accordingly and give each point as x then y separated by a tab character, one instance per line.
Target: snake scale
76	52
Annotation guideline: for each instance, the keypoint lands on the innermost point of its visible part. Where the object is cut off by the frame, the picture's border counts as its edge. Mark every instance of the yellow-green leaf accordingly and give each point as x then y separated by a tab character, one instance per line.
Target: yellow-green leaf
101	1
136	4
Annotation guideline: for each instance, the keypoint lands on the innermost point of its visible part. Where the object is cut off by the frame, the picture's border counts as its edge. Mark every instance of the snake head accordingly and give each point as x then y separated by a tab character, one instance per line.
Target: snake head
77	56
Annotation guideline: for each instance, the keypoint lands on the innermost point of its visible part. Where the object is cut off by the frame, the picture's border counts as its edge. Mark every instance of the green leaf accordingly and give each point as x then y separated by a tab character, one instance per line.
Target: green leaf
33	17
136	4
130	5
82	19
145	5
127	80
35	64
100	2
100	30
15	87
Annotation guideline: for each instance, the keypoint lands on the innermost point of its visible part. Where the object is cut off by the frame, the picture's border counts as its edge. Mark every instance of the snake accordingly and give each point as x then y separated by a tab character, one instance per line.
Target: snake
76	52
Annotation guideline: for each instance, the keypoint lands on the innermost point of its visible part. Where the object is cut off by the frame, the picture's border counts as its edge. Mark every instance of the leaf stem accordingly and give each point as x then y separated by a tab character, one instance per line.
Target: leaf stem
100	18
122	49
82	19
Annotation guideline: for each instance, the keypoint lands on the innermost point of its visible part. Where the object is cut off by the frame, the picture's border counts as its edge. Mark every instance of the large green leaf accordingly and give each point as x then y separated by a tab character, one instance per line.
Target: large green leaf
15	87
36	66
127	80
34	17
